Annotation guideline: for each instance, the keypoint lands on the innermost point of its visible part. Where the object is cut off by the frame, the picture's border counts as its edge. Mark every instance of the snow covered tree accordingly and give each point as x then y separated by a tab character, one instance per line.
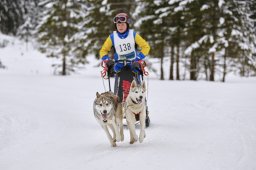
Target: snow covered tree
248	58
98	26
32	18
11	16
58	33
176	23
153	26
212	29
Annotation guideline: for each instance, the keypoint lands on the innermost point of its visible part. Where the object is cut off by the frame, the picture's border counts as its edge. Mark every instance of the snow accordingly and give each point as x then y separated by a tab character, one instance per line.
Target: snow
204	7
178	9
189	50
20	58
46	121
162	10
185	2
222	20
220	3
158	21
64	23
213	48
141	20
236	33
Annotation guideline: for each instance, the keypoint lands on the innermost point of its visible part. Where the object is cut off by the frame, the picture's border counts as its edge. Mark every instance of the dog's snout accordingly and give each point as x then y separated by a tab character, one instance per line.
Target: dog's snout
141	97
104	111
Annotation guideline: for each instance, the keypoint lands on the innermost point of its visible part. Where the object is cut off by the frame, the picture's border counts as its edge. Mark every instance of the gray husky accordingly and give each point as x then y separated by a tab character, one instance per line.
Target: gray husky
105	107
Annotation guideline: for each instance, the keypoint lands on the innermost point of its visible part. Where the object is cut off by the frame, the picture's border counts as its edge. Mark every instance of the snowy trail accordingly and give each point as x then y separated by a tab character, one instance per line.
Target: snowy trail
46	122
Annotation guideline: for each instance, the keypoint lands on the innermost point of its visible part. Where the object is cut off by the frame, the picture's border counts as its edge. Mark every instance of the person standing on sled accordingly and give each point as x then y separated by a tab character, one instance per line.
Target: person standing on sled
123	41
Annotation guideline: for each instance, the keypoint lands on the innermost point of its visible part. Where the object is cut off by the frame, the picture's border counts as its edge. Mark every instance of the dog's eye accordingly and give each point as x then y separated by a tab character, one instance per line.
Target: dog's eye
136	91
100	104
107	104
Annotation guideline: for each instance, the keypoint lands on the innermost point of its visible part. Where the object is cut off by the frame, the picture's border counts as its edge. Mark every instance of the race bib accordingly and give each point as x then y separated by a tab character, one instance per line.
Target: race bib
125	48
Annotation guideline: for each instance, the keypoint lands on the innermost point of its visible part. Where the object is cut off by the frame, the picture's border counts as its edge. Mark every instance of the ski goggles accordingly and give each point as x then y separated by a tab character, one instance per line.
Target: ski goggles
120	19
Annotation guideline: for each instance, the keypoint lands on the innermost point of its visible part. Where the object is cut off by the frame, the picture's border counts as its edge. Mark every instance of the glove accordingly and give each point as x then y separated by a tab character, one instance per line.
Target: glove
138	64
142	63
108	66
140	59
107	62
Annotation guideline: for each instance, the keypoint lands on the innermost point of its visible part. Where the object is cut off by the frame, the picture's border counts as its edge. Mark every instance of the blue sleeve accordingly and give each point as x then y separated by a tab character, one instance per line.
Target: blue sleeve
105	57
140	56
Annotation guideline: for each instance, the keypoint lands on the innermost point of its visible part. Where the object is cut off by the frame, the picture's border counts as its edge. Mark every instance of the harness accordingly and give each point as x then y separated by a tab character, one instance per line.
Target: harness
126	107
104	71
103	75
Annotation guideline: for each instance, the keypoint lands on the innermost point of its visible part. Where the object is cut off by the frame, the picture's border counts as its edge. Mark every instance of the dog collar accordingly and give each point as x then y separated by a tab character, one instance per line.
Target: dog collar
136	113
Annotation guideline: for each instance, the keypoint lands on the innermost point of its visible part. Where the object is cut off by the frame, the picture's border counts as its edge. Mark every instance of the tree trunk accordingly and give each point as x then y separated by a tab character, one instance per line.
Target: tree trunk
66	33
171	63
64	65
192	67
162	68
206	62
161	50
212	69
177	63
224	69
242	72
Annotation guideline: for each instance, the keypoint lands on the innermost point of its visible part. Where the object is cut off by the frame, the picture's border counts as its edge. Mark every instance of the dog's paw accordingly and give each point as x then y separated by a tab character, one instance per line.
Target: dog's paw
132	141
114	144
118	138
122	136
142	136
141	139
135	138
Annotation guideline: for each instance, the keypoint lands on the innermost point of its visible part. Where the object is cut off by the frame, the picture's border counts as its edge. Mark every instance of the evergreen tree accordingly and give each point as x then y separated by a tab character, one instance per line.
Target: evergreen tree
32	18
192	31
248	58
175	18
153	26
11	16
57	33
98	26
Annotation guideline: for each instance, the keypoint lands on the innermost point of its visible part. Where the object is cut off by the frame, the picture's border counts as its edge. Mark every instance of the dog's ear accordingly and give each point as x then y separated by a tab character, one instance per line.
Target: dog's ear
144	85
133	84
97	94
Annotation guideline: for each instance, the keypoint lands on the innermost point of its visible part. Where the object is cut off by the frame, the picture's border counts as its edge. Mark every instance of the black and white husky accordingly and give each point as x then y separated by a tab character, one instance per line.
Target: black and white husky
136	104
104	108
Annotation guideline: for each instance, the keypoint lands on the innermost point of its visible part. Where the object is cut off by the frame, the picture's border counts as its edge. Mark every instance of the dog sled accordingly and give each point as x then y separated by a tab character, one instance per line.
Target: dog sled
122	82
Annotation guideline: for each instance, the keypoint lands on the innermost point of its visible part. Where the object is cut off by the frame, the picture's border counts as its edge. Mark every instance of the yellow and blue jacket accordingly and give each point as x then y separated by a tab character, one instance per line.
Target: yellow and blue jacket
109	43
